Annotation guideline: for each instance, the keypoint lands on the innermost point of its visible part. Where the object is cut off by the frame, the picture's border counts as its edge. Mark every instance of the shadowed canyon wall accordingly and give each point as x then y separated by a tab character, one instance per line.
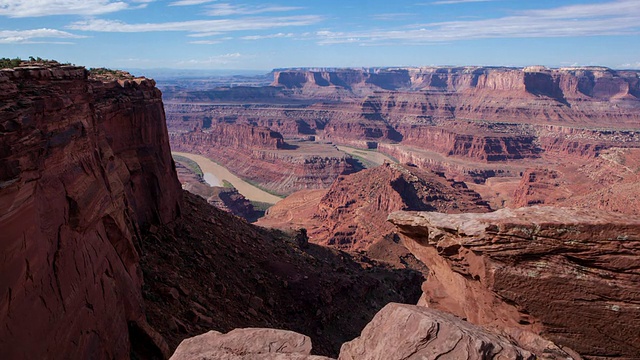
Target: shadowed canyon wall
85	166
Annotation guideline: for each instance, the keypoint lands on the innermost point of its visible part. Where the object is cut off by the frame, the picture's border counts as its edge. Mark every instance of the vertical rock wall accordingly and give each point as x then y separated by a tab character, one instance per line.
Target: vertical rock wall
85	166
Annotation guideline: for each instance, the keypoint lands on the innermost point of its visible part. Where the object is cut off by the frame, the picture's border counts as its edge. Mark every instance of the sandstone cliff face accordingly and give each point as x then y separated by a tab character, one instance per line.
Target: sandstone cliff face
559	84
569	275
84	167
610	181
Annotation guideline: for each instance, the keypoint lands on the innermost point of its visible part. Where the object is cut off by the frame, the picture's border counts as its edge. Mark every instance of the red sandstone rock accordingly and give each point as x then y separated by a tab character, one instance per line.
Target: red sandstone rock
352	214
568	275
84	167
249	343
413	332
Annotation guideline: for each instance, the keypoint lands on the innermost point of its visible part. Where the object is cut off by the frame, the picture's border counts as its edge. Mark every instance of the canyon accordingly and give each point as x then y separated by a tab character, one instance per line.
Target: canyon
472	123
439	248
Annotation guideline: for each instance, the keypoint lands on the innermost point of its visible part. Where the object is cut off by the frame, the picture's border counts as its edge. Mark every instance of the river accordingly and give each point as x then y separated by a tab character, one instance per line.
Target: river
215	174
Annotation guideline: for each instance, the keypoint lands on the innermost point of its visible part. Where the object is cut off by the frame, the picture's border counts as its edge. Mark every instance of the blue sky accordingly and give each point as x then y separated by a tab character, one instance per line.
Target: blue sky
248	34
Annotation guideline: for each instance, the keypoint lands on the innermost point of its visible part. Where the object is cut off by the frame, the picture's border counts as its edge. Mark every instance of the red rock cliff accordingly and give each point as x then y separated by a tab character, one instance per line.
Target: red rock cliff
85	166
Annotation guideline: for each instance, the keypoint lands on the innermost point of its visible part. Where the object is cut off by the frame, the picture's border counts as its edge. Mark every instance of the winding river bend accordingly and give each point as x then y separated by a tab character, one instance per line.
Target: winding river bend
215	174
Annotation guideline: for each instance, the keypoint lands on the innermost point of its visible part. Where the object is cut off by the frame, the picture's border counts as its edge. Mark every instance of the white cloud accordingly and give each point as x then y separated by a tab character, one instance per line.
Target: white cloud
190	2
621	17
37	8
270	36
230	9
35	36
198	27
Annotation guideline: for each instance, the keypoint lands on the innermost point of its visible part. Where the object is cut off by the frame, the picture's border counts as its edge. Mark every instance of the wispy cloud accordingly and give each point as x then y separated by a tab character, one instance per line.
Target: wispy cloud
190	2
635	65
231	9
36	36
391	16
205	42
38	8
224	59
269	36
621	17
447	2
198	27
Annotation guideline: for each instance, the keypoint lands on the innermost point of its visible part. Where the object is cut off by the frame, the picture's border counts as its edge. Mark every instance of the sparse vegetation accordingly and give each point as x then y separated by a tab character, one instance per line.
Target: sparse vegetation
190	164
260	206
7	63
227	184
109	74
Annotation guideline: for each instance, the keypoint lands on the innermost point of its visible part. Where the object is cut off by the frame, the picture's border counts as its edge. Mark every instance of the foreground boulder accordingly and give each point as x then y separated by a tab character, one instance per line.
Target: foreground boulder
249	343
402	331
569	275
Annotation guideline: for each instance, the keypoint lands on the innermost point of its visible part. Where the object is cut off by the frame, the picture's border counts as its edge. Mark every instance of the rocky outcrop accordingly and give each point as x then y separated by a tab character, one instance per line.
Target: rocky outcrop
351	214
537	269
398	331
406	332
539	186
85	169
238	344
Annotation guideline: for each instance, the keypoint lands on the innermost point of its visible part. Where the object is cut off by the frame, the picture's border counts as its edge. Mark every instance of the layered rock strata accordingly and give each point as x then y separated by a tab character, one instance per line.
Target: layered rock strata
85	168
568	275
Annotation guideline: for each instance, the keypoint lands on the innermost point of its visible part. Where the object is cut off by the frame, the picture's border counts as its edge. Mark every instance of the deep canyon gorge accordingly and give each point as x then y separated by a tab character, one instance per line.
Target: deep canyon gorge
468	212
